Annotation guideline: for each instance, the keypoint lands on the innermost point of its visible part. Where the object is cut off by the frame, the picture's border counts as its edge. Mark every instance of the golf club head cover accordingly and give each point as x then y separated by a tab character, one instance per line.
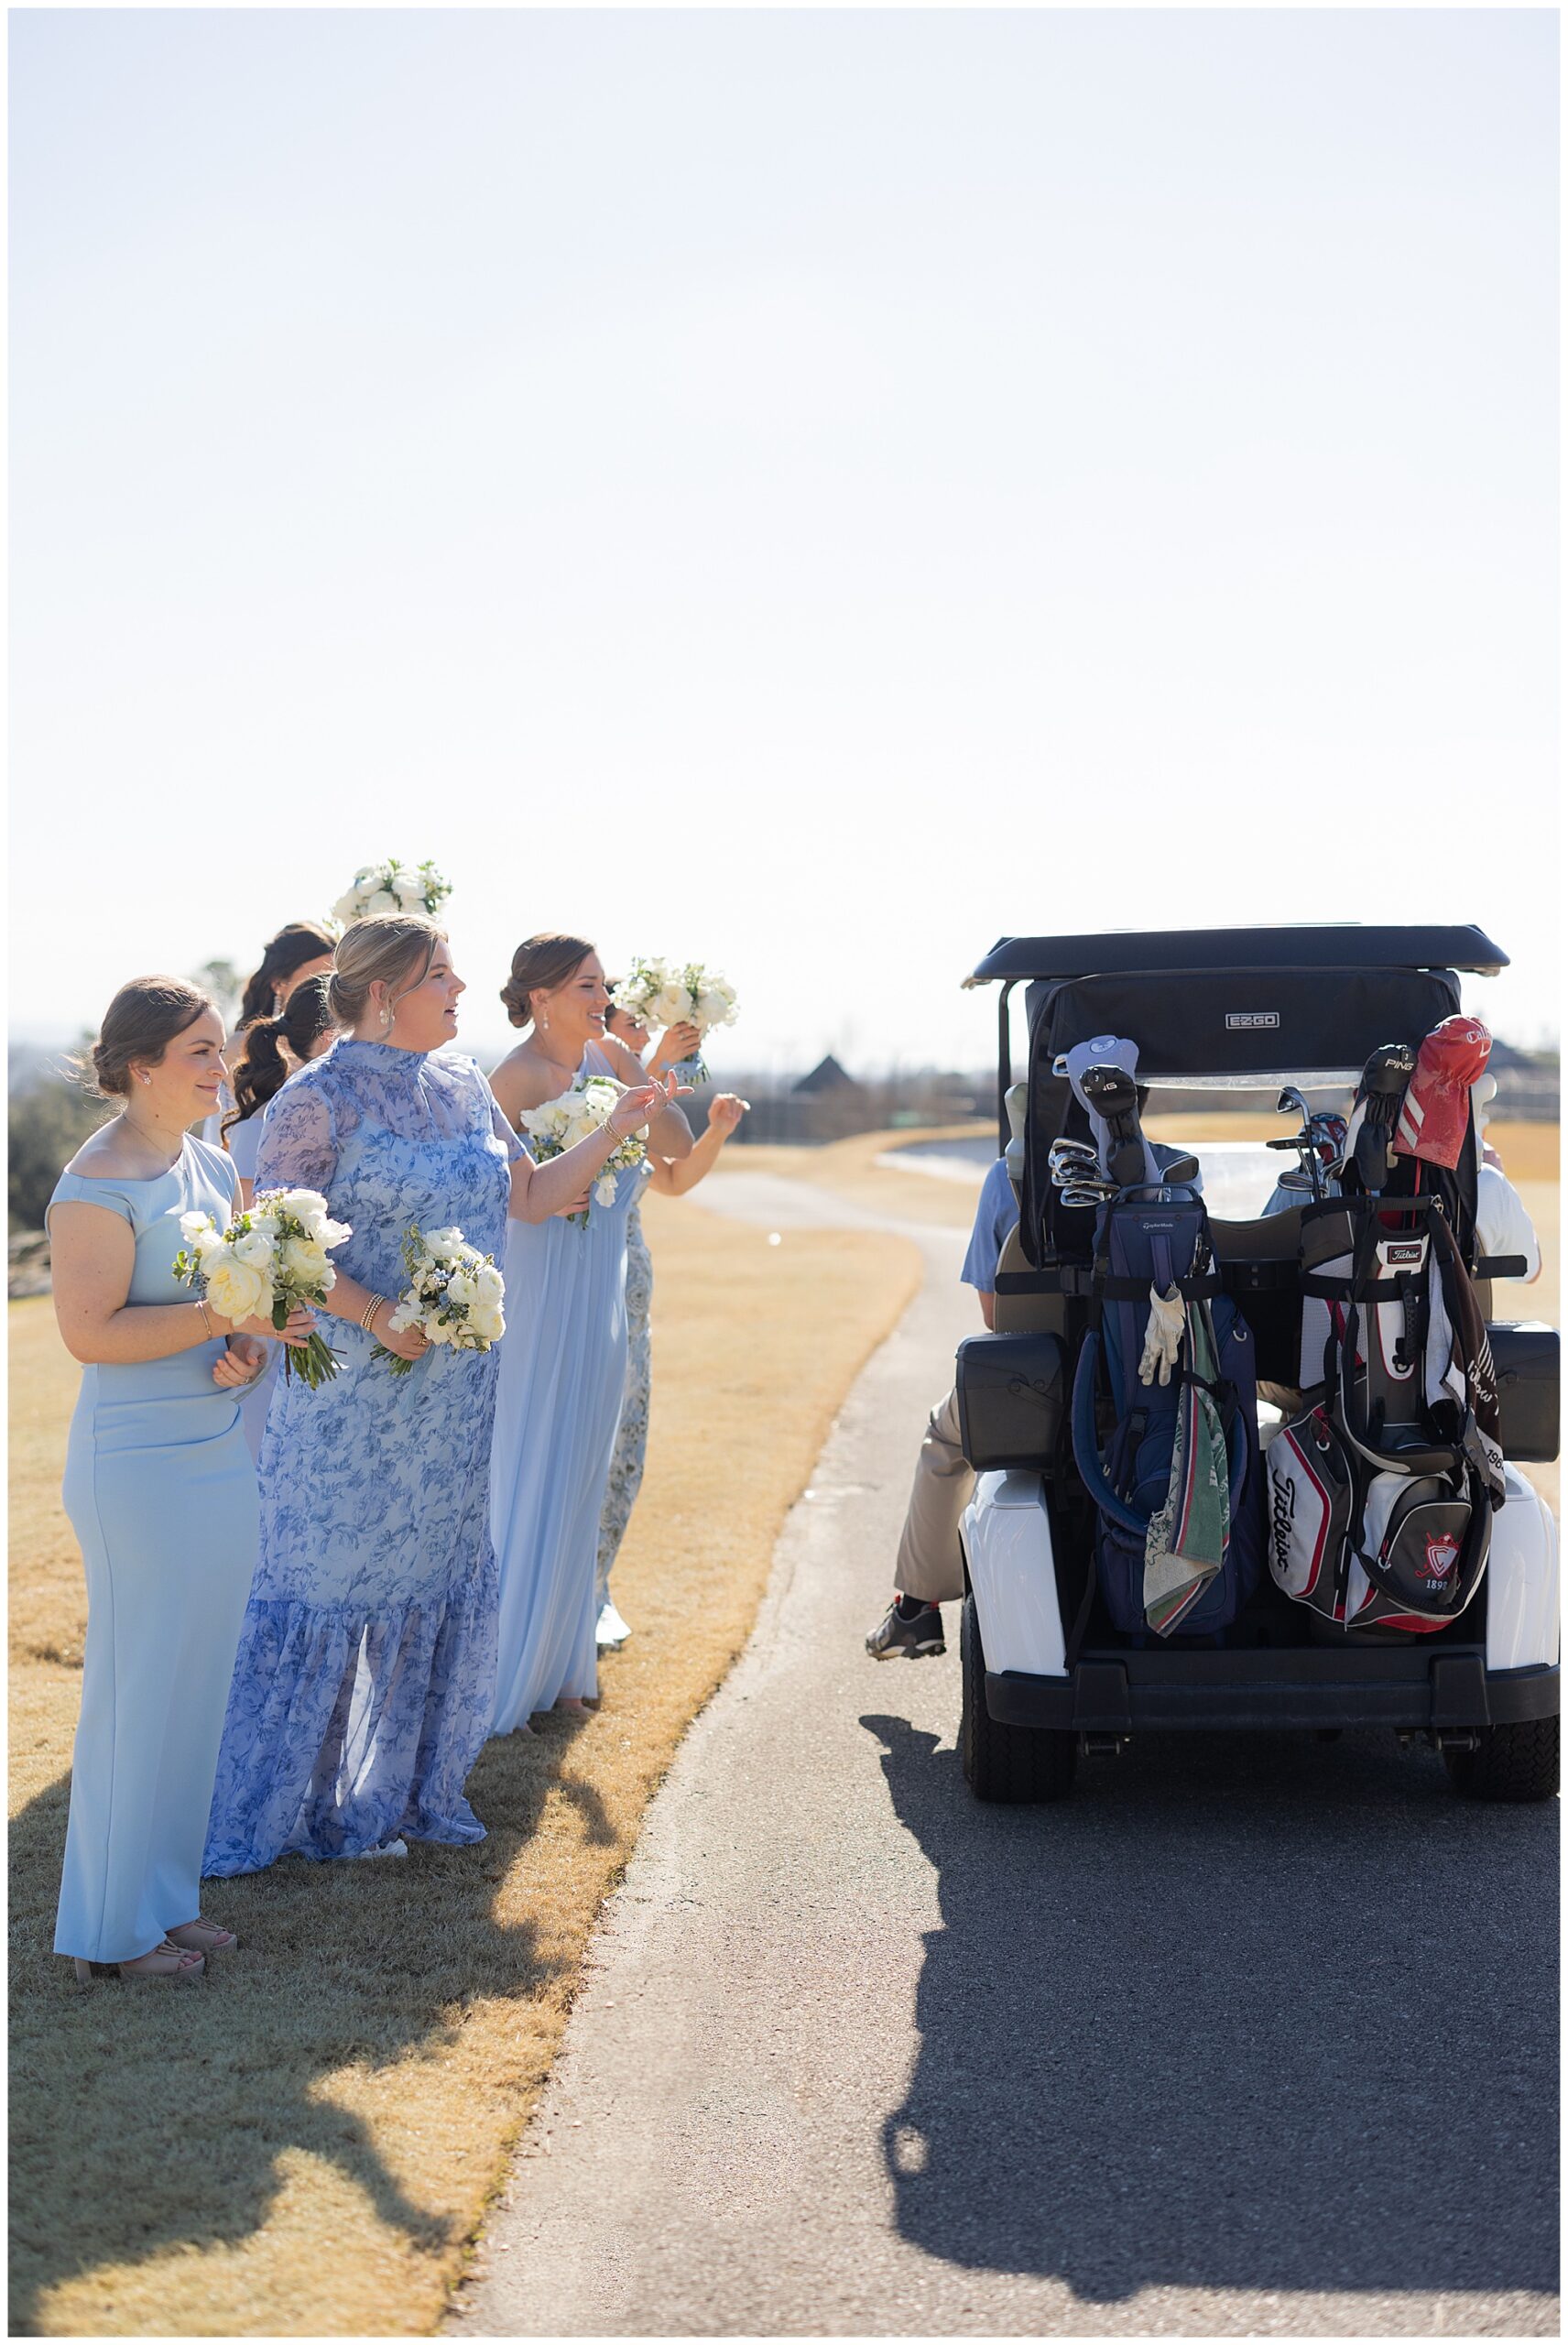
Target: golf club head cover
1111	1050
1436	1107
1376	1108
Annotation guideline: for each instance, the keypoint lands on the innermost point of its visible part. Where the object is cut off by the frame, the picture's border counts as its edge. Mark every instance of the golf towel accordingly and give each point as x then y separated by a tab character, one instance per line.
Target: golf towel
1186	1543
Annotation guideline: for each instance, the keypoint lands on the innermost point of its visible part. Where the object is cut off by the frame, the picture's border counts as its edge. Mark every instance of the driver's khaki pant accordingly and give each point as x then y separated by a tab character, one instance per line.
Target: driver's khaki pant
929	1564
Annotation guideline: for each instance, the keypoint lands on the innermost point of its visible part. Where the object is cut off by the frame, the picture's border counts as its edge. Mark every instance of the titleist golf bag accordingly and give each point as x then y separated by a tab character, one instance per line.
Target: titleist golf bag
1381	1492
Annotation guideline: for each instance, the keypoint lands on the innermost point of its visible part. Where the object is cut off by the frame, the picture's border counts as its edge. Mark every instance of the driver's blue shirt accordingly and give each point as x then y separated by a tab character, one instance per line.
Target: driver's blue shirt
995	1216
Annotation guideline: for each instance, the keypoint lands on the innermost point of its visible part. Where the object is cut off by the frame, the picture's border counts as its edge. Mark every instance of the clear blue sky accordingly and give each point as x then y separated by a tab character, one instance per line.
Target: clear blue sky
815	490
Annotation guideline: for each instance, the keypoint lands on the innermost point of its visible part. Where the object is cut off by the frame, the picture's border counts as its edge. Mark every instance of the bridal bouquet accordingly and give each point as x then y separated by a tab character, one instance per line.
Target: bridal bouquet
577	1114
454	1295
265	1263
666	993
392	888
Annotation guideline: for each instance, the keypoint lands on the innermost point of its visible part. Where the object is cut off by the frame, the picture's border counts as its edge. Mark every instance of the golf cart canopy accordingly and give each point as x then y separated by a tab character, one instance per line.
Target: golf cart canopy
1237	1007
1343	945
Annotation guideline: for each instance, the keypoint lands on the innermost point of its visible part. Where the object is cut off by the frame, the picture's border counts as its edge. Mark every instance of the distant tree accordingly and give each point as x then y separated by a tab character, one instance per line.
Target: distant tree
51	1116
224	982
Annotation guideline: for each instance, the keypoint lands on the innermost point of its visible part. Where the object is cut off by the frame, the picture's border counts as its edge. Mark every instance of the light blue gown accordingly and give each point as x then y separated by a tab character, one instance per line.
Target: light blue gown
367	1669
563	1372
161	1494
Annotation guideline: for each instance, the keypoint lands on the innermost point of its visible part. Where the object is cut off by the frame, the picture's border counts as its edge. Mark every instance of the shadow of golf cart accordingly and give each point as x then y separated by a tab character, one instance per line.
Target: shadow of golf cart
1252	1473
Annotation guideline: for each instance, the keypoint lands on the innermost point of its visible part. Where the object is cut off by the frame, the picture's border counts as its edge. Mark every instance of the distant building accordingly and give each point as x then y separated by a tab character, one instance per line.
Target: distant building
826	1077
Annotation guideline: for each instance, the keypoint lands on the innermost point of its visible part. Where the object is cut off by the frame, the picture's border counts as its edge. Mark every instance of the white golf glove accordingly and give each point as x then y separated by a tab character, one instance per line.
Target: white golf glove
1161	1344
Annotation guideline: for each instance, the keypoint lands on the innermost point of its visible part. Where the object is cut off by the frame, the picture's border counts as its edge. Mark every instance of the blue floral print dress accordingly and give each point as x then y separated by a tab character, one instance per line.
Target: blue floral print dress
367	1668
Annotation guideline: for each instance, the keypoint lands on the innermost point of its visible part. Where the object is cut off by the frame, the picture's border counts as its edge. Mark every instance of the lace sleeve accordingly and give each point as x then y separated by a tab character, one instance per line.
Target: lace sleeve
298	1148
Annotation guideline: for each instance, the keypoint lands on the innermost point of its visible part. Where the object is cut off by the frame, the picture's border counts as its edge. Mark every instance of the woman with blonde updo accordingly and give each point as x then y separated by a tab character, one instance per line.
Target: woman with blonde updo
158	1485
564	1370
366	1666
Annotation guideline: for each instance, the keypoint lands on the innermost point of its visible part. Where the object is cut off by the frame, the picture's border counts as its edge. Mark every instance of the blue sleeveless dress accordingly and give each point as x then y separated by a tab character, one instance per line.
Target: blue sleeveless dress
161	1494
366	1669
563	1372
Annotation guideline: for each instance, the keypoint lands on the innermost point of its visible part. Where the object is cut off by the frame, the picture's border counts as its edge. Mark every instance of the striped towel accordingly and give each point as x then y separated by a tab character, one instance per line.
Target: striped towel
1187	1536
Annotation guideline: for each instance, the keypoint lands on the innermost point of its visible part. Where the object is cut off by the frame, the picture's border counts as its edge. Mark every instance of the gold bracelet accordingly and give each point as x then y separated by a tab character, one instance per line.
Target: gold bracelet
368	1314
206	1319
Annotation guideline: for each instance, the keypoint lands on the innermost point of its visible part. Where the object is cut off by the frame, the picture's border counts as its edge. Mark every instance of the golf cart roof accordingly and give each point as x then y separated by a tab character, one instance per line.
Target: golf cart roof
1153	952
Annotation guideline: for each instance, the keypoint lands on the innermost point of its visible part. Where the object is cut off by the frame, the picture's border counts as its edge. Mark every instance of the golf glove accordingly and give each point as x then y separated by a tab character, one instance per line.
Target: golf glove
1162	1342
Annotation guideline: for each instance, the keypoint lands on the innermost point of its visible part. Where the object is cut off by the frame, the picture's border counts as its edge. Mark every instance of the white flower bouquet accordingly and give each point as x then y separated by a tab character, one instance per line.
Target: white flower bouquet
666	993
264	1264
453	1295
392	887
577	1114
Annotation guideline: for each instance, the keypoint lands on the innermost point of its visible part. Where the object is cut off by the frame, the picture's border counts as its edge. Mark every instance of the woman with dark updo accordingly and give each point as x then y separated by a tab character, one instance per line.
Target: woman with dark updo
160	1488
270	1052
302	949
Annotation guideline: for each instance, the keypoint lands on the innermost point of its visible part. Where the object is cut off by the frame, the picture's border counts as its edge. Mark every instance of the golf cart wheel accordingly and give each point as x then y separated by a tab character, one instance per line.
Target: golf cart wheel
1015	1764
1513	1763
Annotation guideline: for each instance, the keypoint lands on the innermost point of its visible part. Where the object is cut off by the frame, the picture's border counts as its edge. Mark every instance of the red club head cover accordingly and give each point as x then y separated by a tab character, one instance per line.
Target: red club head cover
1436	1107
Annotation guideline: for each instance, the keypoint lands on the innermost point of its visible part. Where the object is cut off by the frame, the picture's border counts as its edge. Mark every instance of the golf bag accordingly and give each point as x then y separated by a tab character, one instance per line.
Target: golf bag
1381	1492
1177	1474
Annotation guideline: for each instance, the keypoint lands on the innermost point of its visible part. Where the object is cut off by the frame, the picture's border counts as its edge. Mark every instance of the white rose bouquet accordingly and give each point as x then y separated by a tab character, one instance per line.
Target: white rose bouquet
266	1263
453	1295
665	993
577	1114
392	887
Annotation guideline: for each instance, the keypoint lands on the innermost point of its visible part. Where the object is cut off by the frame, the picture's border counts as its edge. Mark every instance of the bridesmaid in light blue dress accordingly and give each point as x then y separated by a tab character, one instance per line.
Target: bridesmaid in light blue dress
160	1488
366	1667
563	1365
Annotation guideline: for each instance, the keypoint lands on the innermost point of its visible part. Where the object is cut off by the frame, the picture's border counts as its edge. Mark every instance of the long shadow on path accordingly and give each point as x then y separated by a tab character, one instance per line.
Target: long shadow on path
1244	2013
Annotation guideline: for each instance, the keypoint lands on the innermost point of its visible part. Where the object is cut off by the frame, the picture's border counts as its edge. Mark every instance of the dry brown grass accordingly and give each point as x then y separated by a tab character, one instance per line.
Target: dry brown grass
303	2145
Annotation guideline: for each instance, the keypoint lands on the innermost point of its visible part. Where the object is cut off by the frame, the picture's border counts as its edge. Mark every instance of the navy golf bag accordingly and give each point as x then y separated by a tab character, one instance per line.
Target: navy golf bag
1142	1241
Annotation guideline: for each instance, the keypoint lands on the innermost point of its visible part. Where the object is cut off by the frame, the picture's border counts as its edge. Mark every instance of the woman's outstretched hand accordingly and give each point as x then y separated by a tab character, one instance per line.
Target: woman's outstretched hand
636	1107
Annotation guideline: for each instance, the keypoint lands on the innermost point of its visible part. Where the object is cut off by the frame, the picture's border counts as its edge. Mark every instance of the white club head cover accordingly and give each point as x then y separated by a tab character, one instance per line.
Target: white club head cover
1162	1341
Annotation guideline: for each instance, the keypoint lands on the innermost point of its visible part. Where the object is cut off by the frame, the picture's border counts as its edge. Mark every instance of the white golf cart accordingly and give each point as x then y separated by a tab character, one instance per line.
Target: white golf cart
1047	1675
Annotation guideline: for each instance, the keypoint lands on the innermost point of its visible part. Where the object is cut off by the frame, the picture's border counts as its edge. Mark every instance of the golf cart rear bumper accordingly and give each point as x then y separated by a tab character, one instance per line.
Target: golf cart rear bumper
1127	1693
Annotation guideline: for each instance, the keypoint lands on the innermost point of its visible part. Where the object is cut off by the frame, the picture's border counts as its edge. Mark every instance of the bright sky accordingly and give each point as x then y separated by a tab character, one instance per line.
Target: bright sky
814	491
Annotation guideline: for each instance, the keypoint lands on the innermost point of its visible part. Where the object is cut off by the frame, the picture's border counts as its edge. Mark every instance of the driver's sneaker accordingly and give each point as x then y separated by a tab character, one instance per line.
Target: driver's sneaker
914	1634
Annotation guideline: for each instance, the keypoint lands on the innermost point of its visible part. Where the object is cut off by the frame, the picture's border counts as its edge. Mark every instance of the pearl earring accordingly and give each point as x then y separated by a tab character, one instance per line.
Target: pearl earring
143	1078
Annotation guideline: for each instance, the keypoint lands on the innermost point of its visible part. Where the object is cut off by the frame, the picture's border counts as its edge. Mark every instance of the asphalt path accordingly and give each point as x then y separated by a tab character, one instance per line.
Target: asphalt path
1251	2036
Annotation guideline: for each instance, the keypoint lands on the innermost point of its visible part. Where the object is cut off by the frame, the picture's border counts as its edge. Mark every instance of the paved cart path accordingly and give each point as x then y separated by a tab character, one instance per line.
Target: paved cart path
1251	2036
